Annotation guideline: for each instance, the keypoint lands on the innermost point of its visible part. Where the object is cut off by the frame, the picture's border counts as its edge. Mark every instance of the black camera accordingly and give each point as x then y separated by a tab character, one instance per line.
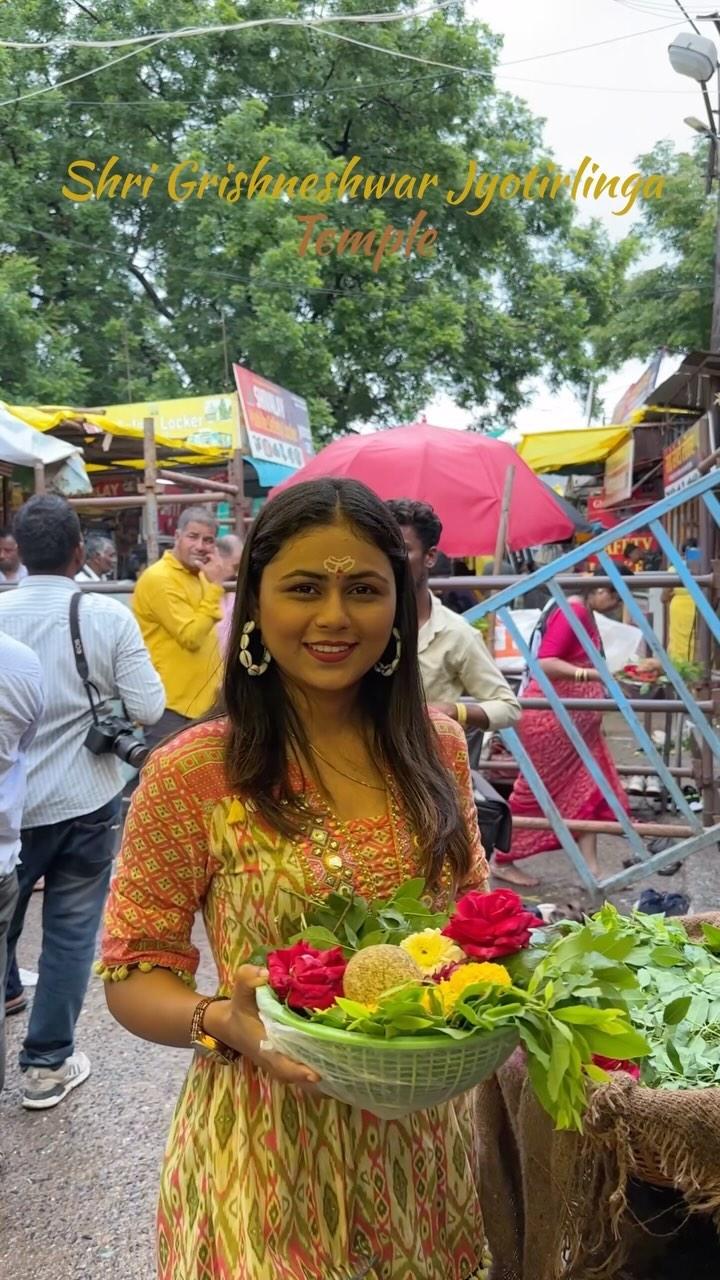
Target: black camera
116	735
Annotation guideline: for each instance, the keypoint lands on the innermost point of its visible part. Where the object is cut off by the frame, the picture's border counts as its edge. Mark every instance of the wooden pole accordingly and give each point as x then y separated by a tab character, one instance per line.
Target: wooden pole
152	531
502	534
236	475
197	482
161	500
40	485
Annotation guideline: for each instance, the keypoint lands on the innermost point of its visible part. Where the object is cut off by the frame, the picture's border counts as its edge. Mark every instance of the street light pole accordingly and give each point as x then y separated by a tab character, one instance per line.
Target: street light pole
715	330
694	55
713	175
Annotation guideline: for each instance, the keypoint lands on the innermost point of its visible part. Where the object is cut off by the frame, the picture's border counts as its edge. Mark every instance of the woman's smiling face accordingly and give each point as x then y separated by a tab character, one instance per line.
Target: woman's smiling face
327	606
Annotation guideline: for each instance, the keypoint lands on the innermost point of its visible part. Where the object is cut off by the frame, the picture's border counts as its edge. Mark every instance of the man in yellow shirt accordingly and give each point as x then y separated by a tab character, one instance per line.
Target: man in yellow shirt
178	605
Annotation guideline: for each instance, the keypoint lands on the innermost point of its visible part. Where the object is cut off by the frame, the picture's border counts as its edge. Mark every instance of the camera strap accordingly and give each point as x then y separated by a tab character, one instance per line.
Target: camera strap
79	652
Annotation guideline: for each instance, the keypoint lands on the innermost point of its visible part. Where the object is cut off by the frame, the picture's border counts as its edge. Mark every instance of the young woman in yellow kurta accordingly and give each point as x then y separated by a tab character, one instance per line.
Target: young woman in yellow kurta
325	772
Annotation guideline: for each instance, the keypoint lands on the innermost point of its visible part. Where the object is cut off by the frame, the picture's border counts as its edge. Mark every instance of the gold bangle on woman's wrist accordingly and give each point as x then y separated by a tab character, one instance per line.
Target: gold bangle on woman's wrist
462	712
206	1045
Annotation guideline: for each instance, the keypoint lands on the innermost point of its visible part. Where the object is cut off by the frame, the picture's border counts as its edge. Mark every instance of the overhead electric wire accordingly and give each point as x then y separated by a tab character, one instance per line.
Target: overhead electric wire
36	93
596	44
450	66
251	282
117	42
262	95
662	8
313	25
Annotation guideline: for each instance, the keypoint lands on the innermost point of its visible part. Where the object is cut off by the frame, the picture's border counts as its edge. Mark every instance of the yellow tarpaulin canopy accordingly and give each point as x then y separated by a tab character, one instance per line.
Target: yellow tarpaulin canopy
98	424
647	411
554	450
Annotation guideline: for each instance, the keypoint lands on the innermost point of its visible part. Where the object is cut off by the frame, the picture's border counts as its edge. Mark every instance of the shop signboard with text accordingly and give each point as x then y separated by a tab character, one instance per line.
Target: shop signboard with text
637	392
681	461
618	484
642	538
276	421
205	421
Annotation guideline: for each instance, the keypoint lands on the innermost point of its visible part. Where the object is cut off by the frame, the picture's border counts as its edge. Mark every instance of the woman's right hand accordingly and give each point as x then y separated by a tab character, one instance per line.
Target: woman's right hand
237	1024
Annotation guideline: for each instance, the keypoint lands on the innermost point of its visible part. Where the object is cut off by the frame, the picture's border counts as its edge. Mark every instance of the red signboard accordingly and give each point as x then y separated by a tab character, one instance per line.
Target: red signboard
276	421
638	392
608	519
116	487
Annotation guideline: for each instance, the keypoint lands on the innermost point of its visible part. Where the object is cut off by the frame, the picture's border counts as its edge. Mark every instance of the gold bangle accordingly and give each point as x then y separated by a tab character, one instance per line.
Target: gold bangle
462	712
578	675
202	1042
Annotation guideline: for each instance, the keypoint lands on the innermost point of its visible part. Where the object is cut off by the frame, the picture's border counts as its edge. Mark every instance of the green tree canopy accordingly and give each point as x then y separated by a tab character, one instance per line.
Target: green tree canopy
668	301
108	300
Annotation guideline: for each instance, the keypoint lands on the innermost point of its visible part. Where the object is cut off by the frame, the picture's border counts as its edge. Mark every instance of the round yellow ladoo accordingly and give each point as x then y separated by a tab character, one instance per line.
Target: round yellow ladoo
377	969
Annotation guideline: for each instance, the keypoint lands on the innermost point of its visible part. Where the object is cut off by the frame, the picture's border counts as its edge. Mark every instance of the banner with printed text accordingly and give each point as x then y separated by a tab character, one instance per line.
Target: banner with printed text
207	421
681	461
276	420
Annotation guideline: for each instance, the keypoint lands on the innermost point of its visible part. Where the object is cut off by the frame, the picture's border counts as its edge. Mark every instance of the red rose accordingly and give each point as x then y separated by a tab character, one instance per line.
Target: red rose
617	1064
307	978
489	925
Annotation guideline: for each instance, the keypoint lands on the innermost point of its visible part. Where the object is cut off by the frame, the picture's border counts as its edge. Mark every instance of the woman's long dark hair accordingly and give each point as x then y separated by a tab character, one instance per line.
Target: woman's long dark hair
263	720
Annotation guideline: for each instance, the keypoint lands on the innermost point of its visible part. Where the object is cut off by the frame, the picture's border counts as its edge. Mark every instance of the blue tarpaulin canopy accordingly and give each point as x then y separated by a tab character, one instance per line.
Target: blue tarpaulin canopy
269	473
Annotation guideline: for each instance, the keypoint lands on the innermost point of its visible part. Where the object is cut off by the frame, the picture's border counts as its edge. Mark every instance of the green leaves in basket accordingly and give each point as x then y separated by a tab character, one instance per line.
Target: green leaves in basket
351	922
711	935
668	986
399	1012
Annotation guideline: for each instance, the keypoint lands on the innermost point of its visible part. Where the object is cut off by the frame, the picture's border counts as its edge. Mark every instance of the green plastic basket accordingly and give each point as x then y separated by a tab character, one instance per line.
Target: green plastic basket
389	1078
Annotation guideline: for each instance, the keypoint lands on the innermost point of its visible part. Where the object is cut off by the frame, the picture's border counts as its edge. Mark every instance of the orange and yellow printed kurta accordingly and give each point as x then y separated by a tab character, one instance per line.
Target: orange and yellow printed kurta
263	1181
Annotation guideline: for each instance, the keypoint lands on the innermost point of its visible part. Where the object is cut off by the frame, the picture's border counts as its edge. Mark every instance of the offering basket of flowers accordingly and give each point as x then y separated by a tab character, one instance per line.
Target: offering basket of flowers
399	1008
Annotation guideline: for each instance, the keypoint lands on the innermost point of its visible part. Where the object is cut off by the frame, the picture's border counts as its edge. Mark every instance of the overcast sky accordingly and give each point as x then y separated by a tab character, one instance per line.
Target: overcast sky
612	102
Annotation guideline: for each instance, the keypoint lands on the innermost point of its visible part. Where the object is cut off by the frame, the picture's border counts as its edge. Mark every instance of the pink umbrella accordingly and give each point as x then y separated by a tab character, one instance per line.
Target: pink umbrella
461	474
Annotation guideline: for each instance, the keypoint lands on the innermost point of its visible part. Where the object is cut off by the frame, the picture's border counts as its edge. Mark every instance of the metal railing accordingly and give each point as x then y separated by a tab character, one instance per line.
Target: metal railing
694	831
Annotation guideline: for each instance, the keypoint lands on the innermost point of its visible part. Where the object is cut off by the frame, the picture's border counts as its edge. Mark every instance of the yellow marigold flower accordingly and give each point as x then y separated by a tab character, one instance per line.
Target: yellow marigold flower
451	989
432	951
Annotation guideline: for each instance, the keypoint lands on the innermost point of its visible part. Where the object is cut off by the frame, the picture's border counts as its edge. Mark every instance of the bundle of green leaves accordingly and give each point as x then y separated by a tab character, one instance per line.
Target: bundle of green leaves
673	1000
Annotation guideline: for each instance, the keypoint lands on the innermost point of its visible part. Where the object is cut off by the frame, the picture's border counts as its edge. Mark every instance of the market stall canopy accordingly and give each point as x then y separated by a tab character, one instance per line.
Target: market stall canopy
688	390
559	450
460	473
23	446
104	442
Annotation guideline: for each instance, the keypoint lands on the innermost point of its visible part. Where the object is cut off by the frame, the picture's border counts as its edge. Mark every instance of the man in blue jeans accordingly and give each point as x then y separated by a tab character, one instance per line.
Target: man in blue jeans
71	814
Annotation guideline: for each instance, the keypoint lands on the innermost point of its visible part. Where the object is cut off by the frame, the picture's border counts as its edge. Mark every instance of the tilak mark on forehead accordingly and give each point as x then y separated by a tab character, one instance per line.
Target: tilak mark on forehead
339	564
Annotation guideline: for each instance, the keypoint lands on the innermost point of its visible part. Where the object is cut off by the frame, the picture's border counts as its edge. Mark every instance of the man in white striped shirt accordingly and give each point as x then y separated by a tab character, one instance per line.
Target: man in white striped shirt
72	808
21	706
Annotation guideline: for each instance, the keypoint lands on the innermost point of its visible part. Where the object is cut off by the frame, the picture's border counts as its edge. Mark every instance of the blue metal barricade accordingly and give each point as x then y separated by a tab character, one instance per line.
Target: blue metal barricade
699	832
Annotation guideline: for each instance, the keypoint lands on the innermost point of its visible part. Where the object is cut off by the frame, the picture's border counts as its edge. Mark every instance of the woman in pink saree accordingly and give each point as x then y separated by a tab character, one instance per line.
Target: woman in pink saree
563	659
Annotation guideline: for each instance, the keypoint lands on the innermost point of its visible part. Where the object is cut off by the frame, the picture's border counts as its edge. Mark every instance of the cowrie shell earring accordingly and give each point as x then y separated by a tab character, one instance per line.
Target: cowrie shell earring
245	657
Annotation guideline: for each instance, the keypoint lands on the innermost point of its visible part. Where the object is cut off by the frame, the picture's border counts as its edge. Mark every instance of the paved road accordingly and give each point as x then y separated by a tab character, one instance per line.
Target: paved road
78	1183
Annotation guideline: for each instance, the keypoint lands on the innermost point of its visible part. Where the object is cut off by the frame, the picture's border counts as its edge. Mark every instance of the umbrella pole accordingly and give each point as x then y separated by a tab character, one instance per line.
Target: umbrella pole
500	544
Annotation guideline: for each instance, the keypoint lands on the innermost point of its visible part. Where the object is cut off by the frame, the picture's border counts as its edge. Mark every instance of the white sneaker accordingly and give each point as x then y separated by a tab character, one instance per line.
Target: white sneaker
44	1087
